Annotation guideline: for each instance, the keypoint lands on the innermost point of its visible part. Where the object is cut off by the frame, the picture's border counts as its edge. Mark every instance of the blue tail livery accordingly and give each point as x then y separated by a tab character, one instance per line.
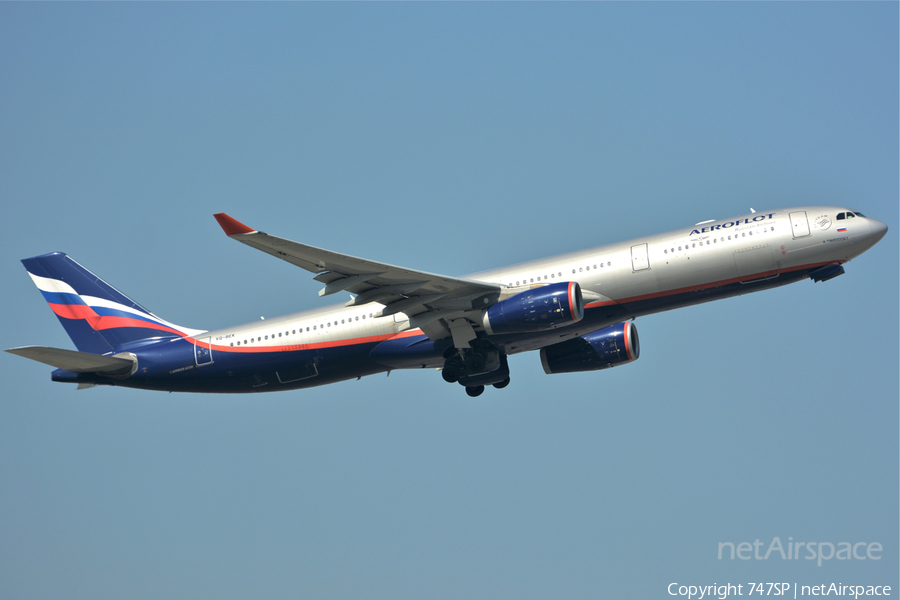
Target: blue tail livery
574	308
98	317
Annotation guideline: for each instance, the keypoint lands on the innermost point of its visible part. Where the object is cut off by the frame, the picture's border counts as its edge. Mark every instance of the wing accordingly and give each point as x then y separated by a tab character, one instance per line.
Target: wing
425	298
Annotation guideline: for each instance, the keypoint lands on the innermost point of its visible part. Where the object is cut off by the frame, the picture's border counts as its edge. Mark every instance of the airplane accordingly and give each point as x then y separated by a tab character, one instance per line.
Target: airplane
577	309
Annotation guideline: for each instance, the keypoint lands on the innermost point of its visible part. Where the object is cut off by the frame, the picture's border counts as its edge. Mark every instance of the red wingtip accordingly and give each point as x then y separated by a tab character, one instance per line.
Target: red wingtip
231	226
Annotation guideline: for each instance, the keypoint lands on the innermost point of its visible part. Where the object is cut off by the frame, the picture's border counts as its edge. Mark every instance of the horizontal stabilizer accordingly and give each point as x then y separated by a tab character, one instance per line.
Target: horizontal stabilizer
79	362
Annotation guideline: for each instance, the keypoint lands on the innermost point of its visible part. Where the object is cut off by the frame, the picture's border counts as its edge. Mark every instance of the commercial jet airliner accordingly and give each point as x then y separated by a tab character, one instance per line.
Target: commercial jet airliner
577	309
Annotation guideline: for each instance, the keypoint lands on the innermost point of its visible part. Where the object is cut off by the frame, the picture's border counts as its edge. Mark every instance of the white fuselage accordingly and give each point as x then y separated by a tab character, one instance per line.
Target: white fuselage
631	274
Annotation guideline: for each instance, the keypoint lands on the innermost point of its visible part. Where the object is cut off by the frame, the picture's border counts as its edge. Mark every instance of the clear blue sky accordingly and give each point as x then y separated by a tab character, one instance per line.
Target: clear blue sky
450	138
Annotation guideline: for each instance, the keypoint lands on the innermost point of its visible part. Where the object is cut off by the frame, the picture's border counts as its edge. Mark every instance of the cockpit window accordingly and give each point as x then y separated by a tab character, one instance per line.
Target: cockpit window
859	214
840	216
850	215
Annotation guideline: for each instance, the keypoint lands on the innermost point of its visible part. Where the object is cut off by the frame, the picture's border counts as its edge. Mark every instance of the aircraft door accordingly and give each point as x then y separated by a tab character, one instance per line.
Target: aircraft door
799	224
640	260
203	352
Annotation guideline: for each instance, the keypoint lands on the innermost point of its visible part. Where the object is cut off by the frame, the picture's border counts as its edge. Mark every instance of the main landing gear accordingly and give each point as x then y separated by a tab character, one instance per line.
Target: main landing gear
476	390
476	367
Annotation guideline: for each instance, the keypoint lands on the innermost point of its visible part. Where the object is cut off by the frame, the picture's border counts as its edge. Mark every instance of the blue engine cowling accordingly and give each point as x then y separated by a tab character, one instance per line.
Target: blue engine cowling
616	345
536	309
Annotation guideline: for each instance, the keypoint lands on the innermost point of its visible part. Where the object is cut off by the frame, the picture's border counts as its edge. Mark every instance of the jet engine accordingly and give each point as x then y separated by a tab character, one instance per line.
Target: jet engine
616	345
536	309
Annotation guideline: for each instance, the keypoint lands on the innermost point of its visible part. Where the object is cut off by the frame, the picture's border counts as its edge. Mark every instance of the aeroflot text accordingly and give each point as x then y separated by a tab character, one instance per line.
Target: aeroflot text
717	226
813	550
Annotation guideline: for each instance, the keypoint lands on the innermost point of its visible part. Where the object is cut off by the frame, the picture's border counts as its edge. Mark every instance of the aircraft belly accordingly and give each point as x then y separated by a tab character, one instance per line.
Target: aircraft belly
230	371
409	352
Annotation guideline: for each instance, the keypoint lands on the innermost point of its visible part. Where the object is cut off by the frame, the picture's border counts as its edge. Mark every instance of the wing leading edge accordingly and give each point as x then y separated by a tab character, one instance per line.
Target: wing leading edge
430	301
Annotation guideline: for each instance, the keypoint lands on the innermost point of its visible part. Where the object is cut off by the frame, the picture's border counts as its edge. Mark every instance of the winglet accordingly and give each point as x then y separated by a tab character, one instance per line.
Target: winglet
232	226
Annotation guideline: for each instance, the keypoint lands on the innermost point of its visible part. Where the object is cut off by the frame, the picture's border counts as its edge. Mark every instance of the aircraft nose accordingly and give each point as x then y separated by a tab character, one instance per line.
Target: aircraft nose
871	235
877	230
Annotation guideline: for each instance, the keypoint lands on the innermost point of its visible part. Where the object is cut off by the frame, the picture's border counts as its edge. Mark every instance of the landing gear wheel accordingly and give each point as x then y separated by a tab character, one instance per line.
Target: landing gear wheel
475	362
502	384
474	390
452	371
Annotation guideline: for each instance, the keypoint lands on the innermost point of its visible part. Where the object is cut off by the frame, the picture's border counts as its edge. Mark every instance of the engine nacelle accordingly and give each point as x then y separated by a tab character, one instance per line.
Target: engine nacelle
616	345
537	309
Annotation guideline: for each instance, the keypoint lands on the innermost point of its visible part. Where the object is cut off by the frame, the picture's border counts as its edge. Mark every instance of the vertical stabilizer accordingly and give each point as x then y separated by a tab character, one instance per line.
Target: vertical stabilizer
98	317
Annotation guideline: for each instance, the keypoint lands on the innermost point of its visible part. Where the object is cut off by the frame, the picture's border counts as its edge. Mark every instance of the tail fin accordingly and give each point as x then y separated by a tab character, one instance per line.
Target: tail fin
98	317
